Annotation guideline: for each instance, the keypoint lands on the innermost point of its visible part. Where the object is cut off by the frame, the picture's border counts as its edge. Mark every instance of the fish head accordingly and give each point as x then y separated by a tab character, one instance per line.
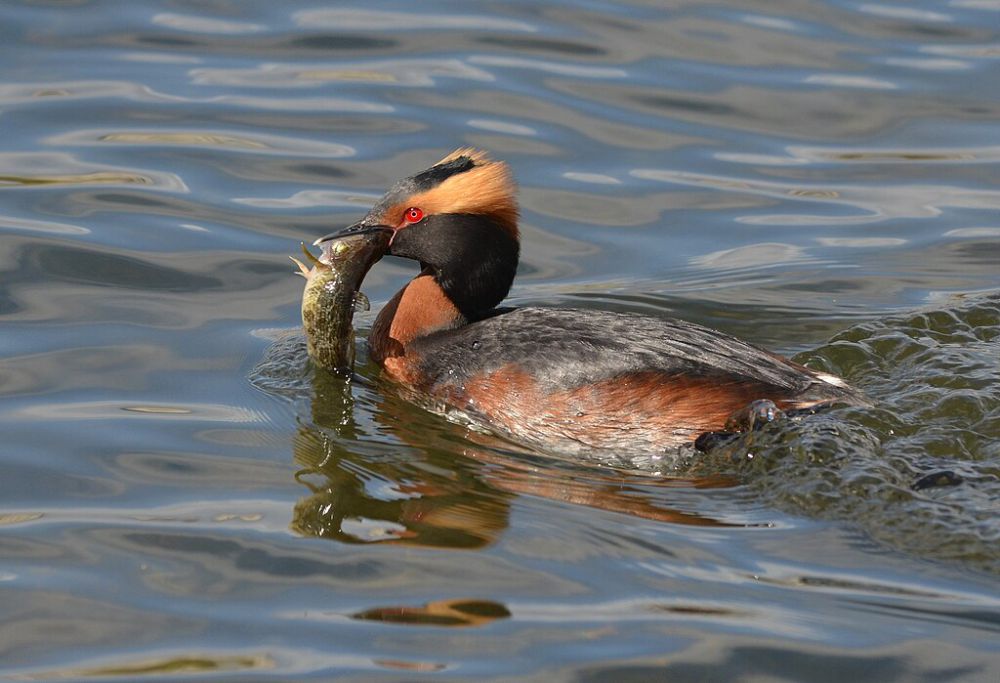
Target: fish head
351	252
359	245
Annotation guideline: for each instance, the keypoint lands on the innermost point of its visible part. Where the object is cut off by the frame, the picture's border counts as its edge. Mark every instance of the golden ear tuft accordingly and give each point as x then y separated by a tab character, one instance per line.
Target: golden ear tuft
487	188
479	157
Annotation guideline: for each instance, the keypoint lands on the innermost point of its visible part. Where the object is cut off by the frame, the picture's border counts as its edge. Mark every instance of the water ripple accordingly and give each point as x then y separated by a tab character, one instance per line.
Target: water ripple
58	91
26	170
199	24
879	203
114	410
256	143
910	13
409	72
922	155
311	198
379	20
558	68
326	105
43	227
850	81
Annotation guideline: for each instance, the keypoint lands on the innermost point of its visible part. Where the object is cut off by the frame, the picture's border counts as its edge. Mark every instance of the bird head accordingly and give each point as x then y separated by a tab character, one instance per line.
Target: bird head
458	219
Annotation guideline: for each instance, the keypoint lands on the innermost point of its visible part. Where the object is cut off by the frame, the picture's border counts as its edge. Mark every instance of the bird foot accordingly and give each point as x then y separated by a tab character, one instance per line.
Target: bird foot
751	418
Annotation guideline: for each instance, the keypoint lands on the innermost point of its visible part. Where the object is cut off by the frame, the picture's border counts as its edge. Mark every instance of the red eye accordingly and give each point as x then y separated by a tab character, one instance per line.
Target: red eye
413	215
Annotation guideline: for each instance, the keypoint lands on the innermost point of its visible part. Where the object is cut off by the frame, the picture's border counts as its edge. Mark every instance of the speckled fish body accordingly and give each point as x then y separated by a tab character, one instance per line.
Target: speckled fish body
331	293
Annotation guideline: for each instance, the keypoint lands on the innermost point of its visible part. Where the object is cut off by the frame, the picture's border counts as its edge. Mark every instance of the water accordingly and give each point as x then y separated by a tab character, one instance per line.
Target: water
184	499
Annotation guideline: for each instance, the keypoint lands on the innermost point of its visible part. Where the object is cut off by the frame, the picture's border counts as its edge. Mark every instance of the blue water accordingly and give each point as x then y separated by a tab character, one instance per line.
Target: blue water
183	498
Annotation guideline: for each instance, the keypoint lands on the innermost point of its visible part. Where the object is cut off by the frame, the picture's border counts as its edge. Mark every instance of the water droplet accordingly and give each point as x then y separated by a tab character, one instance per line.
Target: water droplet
579	413
451	371
476	345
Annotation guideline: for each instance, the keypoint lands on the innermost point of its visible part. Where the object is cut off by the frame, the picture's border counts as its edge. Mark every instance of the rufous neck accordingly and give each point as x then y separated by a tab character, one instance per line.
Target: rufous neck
419	309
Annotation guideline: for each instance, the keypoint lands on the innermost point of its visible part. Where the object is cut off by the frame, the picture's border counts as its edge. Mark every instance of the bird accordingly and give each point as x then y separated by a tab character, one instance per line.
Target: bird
569	381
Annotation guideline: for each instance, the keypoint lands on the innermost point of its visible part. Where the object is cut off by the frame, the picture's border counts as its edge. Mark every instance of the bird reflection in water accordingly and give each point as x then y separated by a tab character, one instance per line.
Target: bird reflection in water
460	612
436	499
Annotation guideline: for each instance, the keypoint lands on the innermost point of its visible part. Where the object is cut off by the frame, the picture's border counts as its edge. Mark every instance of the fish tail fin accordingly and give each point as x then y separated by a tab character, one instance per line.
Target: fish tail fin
311	257
303	271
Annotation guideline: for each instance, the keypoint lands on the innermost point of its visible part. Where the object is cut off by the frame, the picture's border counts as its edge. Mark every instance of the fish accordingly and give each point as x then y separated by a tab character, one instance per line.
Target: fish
332	293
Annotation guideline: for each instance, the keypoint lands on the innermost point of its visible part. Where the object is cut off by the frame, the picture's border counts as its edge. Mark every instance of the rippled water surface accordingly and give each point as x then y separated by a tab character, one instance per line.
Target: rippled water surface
184	498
